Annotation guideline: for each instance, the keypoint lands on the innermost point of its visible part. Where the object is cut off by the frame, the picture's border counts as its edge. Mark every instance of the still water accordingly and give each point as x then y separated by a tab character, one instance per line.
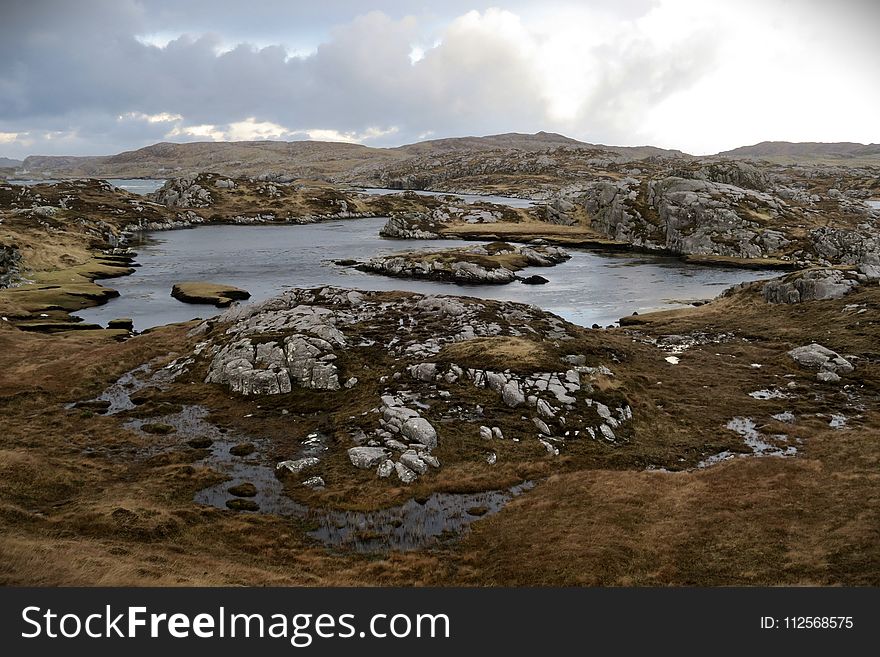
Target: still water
590	288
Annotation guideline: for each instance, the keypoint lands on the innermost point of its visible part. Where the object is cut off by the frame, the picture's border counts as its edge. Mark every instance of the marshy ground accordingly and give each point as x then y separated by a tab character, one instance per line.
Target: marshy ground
81	504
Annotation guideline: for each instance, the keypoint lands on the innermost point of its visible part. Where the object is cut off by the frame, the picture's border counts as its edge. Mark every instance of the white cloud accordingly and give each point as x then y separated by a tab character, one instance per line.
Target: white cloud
158	39
677	73
250	129
203	130
8	137
161	117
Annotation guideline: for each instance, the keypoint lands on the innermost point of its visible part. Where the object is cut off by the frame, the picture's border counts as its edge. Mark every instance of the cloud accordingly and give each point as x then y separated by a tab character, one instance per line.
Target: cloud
101	76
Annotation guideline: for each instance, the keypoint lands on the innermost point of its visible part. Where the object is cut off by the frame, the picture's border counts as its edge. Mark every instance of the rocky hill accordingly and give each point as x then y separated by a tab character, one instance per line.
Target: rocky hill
307	159
808	151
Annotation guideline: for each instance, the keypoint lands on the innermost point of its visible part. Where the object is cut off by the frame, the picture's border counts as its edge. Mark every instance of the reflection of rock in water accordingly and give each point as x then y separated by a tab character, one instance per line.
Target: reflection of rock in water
413	524
409	526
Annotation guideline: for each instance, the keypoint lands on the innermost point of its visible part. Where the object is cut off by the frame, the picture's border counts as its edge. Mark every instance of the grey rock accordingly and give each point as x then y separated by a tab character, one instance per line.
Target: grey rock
544	410
367	457
405	475
815	356
424	371
810	285
418	429
385	468
512	394
542	426
553	451
396	445
414	462
298	465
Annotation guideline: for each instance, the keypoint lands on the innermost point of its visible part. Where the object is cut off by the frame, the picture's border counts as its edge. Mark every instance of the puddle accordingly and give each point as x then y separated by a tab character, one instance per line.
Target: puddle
413	524
760	444
410	526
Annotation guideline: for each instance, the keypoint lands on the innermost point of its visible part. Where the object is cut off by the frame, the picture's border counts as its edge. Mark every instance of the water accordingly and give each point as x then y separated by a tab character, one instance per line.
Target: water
409	526
590	288
511	201
133	185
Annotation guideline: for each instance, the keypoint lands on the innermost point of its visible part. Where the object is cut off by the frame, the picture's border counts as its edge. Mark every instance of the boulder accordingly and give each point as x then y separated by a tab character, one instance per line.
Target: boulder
367	457
414	462
385	468
405	475
810	285
512	394
419	430
815	356
298	465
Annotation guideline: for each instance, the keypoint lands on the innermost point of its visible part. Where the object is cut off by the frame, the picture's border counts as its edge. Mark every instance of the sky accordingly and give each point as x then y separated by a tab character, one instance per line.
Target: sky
91	77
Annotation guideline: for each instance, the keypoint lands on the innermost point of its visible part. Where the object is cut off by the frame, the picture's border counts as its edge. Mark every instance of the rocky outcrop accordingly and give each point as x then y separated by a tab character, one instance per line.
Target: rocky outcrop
271	368
183	192
707	218
491	264
729	172
412	226
560	211
309	338
847	246
811	285
430	224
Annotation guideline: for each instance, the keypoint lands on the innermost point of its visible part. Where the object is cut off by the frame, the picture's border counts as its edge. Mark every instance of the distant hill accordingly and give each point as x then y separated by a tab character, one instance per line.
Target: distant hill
300	159
7	163
808	151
